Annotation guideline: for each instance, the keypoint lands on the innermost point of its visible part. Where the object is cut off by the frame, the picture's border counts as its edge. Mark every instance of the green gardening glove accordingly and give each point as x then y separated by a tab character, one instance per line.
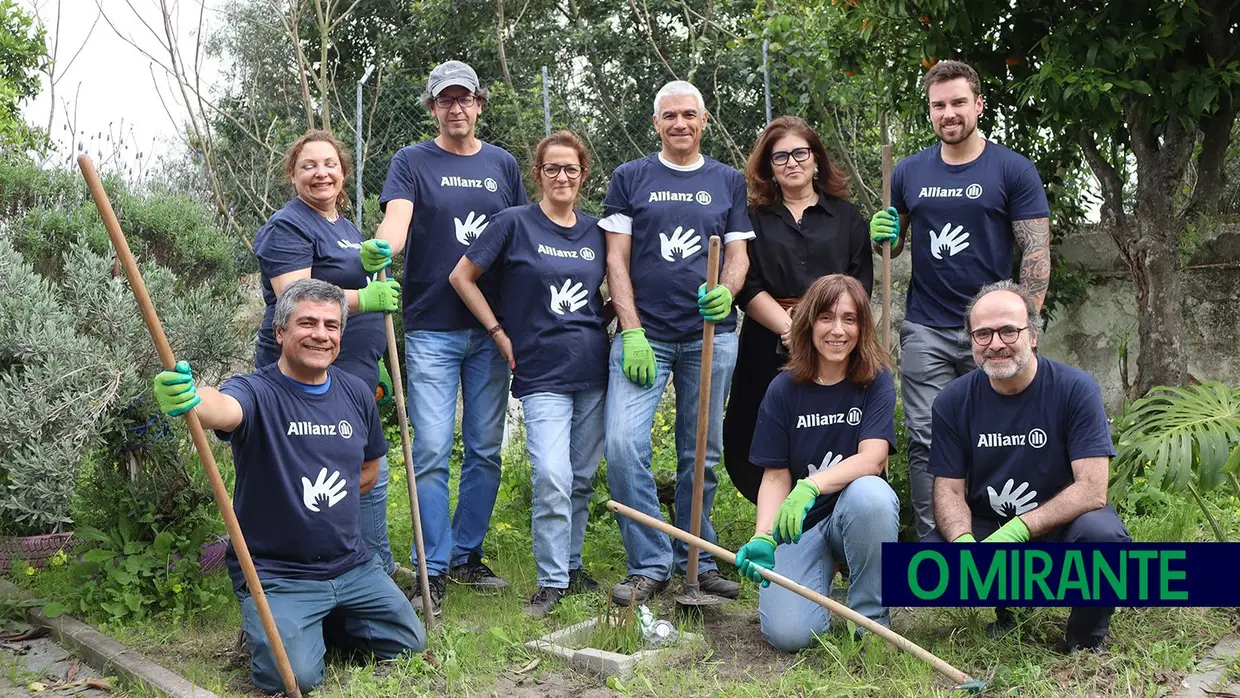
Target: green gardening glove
379	297
638	363
758	552
792	512
715	305
885	226
966	538
1014	531
383	393
376	255
175	391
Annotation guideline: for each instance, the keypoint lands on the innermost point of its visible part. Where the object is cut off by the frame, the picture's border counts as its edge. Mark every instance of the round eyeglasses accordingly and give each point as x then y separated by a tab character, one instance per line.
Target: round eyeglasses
1008	334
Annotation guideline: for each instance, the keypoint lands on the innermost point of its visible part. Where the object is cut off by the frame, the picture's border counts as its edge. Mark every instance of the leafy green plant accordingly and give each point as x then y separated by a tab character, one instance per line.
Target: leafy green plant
1180	439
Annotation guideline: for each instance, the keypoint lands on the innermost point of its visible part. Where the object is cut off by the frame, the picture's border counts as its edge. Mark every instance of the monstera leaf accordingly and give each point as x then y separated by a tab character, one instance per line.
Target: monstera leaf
1180	438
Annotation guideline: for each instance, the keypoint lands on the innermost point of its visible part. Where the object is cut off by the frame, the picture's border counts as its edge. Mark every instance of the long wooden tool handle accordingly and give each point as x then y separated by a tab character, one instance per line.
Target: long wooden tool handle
398	394
703	418
825	601
887	254
222	500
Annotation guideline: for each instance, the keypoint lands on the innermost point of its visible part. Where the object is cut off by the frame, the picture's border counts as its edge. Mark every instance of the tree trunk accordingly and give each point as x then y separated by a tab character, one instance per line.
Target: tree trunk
1155	271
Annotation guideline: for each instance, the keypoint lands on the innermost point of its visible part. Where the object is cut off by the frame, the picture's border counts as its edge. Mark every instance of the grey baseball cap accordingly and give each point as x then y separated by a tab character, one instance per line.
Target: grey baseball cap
452	73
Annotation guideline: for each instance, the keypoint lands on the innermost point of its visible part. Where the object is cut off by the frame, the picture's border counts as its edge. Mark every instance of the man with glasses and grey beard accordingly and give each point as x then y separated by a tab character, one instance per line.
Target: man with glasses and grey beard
1022	450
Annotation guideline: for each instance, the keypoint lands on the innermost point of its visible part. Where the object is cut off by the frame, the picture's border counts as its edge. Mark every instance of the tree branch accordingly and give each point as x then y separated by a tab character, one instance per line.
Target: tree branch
649	31
1109	180
1216	136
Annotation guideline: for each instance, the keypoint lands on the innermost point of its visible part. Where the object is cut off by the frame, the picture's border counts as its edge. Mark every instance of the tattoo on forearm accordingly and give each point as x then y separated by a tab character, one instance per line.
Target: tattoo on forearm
1034	237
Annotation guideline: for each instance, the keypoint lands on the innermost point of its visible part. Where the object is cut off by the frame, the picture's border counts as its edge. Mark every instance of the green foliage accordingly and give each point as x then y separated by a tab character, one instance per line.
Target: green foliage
21	45
138	568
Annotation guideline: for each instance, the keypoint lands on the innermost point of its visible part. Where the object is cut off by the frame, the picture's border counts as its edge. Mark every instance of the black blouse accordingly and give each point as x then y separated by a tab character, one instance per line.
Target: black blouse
833	238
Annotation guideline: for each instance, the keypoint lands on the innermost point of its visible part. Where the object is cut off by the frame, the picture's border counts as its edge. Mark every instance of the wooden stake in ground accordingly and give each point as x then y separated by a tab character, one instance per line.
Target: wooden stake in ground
222	500
703	424
398	394
887	252
963	681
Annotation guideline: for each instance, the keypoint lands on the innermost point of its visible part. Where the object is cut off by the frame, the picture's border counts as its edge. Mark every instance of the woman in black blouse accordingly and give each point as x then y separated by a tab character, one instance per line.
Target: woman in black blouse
806	228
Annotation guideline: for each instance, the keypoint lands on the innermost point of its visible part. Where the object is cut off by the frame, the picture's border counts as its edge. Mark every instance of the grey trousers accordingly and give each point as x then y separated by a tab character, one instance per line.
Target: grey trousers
930	358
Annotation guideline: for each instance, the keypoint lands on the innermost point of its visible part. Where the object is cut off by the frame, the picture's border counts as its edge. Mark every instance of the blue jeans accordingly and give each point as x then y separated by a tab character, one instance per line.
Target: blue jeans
372	516
866	515
438	364
361	610
630	416
564	436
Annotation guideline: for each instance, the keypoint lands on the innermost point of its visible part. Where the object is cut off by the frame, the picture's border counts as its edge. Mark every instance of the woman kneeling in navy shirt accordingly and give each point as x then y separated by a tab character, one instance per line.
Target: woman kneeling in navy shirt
551	261
827	425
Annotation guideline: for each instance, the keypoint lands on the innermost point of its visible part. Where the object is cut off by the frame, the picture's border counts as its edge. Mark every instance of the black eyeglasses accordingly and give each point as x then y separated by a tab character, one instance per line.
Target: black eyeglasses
798	154
1008	334
552	170
463	100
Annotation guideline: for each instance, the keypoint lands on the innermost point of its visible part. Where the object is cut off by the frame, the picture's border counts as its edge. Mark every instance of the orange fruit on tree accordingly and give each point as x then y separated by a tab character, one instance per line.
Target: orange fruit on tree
929	62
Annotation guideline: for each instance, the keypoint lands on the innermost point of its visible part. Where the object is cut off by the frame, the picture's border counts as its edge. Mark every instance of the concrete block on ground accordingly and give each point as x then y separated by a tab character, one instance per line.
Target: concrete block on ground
559	644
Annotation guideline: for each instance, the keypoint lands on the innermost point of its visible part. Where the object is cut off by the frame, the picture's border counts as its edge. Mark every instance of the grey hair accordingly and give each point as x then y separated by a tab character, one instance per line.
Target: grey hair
1031	308
312	290
678	88
428	99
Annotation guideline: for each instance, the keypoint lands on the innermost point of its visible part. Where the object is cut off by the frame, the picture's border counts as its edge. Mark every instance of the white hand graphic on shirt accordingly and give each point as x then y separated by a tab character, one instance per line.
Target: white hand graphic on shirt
324	492
569	298
828	461
682	242
1009	502
949	241
471	228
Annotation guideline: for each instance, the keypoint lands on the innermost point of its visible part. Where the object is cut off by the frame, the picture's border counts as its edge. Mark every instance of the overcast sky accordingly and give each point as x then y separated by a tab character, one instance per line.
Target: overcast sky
109	87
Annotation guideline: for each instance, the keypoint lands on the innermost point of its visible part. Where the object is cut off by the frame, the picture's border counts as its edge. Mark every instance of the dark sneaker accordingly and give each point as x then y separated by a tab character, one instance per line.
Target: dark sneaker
636	589
1092	645
580	582
438	584
544	600
1006	620
715	584
477	575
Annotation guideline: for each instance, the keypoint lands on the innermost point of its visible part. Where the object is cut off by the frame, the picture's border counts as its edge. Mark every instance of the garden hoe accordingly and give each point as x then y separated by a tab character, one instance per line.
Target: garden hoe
398	393
693	595
961	680
166	356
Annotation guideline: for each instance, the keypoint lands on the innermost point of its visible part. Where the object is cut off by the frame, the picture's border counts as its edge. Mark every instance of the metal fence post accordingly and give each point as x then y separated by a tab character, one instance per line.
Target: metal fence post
359	148
766	79
546	101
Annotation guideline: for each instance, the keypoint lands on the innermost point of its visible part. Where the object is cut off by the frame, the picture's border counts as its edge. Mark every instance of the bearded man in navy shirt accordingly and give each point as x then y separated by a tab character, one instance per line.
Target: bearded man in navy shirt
659	214
1022	449
306	441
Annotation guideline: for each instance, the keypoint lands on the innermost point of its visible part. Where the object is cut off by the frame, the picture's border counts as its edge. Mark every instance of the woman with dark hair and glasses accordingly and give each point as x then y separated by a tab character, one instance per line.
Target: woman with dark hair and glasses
806	228
552	263
825	430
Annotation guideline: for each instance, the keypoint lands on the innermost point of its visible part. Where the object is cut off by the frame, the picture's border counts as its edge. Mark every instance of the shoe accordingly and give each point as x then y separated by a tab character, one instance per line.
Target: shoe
1092	645
580	582
476	574
438	584
636	588
544	600
715	584
1006	620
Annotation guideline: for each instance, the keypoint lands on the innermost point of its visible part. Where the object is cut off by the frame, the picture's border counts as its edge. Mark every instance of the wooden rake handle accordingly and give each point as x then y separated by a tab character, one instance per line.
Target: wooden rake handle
222	500
703	418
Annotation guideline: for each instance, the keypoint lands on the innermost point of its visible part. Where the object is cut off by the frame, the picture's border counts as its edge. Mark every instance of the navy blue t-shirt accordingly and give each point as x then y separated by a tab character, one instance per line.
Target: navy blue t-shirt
1015	452
299	460
807	427
552	305
297	237
671	212
454	198
960	225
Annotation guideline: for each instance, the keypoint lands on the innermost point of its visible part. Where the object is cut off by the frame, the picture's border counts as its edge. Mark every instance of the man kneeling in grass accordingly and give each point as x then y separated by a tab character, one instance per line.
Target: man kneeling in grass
306	442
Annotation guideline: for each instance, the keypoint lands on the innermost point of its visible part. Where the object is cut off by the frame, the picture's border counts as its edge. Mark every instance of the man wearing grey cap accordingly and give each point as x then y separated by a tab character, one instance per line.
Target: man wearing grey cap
438	198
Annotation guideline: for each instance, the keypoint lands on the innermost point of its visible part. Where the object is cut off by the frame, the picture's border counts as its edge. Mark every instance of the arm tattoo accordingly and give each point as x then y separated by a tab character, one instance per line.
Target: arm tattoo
1034	237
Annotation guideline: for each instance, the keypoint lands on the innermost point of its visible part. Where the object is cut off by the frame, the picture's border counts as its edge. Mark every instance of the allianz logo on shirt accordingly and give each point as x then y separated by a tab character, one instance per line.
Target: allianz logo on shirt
342	429
454	181
972	191
584	253
851	418
1035	438
702	197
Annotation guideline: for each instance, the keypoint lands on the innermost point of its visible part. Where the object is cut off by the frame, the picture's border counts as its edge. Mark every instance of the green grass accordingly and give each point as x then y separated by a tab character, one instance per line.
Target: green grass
478	647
